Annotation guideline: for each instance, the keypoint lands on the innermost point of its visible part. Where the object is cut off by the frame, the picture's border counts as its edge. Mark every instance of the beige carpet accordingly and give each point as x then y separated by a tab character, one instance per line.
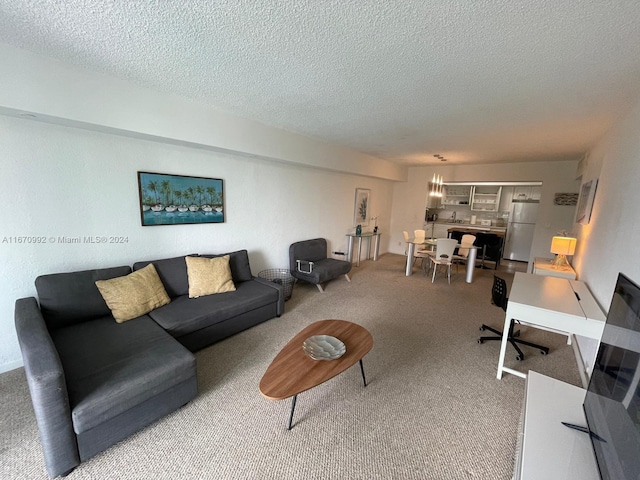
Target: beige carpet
433	408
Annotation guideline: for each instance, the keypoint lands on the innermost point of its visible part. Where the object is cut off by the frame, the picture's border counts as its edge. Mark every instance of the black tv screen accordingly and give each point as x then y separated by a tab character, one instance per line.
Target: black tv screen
612	401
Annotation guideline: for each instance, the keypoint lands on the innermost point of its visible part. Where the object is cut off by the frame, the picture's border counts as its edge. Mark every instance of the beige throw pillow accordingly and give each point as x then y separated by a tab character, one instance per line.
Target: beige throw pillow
134	294
209	275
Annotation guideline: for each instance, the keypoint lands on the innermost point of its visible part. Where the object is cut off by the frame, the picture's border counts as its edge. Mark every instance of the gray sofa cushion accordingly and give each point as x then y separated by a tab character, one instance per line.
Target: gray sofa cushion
172	272
68	298
186	315
239	263
112	367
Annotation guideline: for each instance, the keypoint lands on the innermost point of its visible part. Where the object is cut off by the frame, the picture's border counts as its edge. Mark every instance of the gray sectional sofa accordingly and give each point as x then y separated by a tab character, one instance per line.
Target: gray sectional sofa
93	381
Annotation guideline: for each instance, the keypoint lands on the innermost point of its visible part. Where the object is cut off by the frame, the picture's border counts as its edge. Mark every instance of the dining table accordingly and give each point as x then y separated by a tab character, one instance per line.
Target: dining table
471	259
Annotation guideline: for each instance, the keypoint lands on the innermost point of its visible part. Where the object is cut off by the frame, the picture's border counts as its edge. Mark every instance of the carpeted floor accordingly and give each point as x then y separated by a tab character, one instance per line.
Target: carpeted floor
433	408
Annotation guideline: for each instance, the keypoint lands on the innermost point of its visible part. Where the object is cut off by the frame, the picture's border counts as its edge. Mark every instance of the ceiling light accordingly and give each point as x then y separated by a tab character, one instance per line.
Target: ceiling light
435	189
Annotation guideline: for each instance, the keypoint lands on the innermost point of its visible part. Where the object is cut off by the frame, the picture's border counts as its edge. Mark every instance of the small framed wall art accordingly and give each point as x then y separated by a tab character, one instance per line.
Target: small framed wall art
178	199
585	203
361	207
569	199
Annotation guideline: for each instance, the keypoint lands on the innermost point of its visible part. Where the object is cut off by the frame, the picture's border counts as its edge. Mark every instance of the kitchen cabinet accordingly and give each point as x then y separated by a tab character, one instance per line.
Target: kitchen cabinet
506	196
526	193
485	198
456	194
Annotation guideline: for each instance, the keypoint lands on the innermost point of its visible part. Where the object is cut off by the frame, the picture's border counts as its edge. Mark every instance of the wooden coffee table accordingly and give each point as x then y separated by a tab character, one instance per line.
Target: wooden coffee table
293	371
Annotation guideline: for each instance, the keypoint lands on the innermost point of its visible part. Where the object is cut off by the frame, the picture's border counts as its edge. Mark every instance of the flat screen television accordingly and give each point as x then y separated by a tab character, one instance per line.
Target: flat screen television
612	401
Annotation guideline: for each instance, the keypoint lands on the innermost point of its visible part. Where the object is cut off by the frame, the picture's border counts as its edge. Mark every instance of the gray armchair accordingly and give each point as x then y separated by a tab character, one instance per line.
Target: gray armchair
308	262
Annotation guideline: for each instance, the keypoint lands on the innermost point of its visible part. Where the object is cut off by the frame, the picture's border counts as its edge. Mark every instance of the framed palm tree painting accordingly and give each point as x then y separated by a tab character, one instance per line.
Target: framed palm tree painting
178	199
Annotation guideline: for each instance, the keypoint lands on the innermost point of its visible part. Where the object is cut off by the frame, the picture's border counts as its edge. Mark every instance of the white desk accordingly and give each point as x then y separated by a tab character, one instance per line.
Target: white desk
471	259
549	450
556	304
368	236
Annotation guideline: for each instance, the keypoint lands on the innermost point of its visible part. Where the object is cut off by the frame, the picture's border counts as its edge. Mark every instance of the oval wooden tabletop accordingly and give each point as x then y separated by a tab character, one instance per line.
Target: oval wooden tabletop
293	371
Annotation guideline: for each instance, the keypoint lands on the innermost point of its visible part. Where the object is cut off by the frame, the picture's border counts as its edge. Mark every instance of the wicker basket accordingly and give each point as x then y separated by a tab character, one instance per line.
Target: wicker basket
280	276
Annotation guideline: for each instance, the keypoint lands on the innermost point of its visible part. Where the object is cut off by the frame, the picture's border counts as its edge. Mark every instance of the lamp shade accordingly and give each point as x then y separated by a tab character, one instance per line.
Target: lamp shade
563	245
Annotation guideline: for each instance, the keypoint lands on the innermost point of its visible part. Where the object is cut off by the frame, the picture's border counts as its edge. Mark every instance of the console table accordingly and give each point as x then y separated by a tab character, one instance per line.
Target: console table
556	304
368	236
543	266
546	448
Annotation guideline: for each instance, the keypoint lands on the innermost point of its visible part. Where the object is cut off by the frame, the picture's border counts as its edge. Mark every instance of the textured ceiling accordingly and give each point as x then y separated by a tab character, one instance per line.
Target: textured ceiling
475	81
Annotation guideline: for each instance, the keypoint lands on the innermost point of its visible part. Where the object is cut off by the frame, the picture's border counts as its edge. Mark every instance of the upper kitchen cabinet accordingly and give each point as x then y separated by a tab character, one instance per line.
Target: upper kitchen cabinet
527	193
456	194
485	198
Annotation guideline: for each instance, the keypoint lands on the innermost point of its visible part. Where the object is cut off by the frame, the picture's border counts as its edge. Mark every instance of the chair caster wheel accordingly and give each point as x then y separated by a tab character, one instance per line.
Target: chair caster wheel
480	340
519	357
543	352
482	328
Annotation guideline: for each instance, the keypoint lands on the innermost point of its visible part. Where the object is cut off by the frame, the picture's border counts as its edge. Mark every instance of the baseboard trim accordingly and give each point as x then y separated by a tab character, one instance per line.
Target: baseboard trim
7	367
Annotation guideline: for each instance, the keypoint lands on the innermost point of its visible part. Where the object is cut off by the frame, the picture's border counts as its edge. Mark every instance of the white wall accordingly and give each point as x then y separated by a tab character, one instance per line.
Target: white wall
609	243
61	181
409	199
64	94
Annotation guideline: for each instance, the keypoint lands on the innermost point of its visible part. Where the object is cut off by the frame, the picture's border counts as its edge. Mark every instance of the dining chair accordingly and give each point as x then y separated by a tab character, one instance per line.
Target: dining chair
443	256
420	251
463	253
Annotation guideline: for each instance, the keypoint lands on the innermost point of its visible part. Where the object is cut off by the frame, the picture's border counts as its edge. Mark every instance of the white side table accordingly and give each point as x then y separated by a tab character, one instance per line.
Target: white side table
548	449
543	266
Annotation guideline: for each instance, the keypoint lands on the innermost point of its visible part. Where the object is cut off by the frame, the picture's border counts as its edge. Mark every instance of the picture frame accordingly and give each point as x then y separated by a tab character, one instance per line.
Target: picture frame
566	199
167	199
585	203
361	207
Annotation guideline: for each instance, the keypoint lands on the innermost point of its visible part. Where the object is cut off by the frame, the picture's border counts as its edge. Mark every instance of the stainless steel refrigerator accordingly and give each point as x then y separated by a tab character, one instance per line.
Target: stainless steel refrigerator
522	223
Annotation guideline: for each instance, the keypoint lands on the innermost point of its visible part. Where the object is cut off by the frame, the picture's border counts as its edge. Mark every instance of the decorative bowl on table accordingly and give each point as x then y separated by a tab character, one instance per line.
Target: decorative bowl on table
323	347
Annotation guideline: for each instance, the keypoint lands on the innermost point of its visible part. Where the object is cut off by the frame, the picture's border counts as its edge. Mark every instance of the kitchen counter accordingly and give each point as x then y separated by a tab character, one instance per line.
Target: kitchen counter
465	226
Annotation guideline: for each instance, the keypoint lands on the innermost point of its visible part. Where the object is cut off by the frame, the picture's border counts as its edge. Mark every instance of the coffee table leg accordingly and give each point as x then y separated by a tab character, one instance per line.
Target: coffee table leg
293	407
362	370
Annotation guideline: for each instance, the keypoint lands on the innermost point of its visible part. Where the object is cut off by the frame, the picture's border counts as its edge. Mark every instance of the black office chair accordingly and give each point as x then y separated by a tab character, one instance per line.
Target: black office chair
499	299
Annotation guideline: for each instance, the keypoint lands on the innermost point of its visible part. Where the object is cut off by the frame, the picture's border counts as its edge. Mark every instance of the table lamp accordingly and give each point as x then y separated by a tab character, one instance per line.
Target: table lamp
562	246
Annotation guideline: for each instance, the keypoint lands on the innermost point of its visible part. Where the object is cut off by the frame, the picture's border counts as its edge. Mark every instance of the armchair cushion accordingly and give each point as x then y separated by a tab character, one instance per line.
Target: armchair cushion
309	250
324	269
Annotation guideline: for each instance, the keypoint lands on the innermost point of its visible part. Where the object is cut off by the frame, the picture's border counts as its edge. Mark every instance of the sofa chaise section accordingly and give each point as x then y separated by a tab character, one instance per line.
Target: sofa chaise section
93	381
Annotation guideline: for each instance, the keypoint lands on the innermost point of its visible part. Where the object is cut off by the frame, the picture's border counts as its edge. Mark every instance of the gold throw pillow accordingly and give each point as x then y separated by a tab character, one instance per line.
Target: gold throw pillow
209	275
134	294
